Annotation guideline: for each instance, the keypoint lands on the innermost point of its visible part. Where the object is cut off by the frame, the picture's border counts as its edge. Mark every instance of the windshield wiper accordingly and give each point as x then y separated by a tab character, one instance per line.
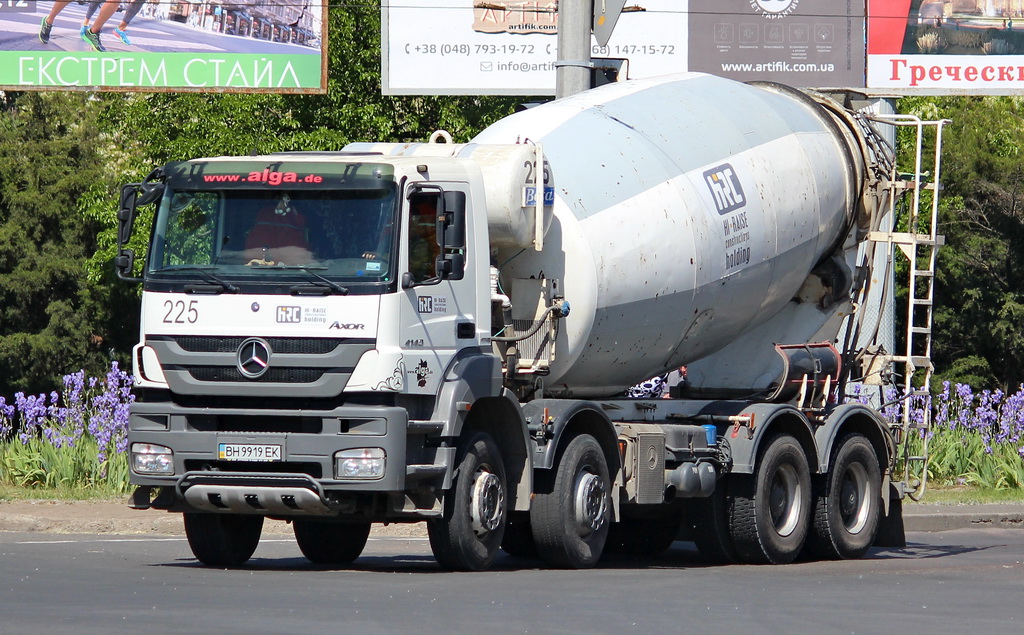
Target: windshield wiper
319	284
205	275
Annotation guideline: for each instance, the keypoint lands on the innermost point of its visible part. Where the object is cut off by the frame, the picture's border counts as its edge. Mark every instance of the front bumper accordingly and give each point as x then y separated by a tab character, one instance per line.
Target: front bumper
309	440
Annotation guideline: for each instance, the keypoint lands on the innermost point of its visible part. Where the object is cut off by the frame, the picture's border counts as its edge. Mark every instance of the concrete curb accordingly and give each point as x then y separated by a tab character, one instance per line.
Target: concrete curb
932	517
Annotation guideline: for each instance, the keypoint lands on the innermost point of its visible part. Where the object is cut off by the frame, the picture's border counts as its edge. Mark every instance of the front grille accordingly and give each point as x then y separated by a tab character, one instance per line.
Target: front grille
229	402
276	467
256	424
282	345
273	375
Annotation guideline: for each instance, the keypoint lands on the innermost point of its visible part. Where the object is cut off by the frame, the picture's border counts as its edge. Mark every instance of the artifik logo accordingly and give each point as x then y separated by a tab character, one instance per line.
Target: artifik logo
774	9
253	358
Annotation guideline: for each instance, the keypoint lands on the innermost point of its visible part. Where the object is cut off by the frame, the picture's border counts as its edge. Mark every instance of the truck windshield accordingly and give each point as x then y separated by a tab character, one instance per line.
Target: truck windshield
253	236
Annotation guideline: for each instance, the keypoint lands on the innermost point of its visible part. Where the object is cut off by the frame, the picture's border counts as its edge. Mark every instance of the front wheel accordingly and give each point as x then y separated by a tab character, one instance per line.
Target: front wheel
325	542
222	540
571	517
846	508
468	534
771	509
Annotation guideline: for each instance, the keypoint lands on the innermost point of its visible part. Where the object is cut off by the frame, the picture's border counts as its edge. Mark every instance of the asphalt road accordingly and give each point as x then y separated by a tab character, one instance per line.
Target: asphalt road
964	580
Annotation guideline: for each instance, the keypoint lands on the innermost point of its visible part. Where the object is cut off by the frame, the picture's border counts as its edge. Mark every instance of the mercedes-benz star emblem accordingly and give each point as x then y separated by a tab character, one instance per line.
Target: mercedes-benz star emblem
253	357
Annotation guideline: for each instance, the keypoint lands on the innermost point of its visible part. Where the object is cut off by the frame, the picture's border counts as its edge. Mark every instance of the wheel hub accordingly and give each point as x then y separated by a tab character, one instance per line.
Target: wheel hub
486	499
853	498
784	500
591	502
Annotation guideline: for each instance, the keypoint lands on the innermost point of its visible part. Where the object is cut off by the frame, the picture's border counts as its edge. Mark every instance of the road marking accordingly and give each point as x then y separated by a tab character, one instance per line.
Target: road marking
75	542
264	540
398	539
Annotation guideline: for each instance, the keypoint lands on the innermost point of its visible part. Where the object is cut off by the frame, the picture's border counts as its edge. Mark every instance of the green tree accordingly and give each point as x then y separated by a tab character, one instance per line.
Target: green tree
151	129
51	320
980	277
65	155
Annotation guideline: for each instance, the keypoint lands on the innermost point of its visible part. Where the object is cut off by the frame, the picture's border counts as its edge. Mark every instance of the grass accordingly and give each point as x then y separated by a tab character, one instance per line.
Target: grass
966	495
15	493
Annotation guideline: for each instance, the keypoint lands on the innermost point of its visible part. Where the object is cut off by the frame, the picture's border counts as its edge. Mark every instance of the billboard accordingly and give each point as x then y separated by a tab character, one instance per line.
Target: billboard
945	47
471	47
164	45
805	43
510	46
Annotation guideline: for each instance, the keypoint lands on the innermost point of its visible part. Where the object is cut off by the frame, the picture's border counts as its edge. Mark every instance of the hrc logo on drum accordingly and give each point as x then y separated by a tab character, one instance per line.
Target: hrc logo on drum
725	188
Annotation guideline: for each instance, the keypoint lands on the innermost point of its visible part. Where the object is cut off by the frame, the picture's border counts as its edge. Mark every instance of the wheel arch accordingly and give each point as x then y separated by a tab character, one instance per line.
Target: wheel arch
566	419
561	420
502	418
769	420
855	418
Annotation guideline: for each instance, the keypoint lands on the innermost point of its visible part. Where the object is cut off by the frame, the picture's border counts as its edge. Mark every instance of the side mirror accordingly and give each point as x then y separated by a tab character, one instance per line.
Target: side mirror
126	213
451	221
408	282
124	264
450	266
451	235
150	193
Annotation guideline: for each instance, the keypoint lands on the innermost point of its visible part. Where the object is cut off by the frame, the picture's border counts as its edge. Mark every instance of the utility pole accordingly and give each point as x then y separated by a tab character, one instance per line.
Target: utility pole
573	64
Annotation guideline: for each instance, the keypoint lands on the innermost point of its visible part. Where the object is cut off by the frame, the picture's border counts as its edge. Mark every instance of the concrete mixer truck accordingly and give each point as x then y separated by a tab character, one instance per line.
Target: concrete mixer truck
444	333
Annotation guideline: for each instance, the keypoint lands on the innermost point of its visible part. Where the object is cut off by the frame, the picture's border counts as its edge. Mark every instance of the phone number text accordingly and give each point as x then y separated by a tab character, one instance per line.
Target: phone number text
466	50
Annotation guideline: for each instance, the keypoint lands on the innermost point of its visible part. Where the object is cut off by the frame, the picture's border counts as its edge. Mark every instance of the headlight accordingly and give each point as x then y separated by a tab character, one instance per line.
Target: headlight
149	458
363	463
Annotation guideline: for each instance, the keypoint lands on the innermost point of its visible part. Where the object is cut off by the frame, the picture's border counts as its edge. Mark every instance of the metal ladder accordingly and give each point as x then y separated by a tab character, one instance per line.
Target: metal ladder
919	244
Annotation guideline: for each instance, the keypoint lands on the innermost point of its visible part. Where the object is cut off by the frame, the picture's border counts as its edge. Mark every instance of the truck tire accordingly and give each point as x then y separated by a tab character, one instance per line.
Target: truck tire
518	540
326	542
468	534
708	523
847	505
571	512
771	509
648	533
222	540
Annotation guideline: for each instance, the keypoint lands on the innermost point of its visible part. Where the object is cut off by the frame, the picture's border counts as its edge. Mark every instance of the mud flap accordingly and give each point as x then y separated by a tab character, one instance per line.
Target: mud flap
891	532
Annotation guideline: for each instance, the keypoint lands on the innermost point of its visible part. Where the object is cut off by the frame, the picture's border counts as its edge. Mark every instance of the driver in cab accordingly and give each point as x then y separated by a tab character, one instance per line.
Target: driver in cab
279	236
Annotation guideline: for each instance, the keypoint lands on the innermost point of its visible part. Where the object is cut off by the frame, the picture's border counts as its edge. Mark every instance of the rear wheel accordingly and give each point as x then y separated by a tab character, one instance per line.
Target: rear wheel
571	516
326	542
468	534
518	540
771	509
847	506
708	522
646	532
222	540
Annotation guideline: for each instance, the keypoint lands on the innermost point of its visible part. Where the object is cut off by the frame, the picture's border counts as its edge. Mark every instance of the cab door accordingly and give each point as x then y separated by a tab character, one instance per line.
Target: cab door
439	310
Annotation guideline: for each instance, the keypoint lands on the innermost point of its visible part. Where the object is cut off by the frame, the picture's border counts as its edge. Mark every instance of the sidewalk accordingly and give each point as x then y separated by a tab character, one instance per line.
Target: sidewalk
936	517
112	517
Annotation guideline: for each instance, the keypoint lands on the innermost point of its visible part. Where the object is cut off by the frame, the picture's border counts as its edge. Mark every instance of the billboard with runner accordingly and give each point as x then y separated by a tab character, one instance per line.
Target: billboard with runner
164	45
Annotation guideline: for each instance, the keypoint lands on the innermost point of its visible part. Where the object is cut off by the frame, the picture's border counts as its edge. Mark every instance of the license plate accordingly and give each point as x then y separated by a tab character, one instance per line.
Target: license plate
248	452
